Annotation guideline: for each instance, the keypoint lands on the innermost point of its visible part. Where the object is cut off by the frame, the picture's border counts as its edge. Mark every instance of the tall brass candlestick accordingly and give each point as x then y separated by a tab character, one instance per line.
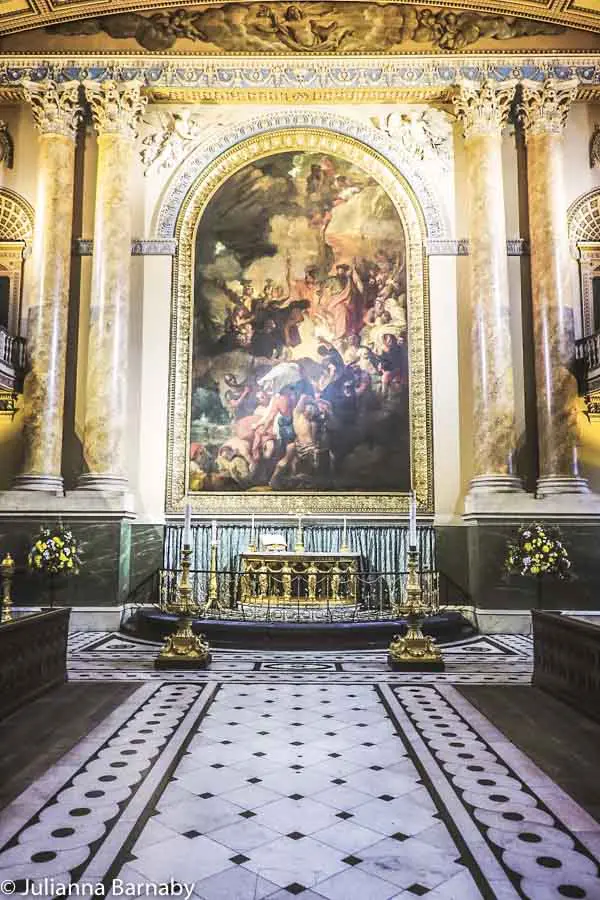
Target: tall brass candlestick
415	652
213	599
183	649
7	567
299	546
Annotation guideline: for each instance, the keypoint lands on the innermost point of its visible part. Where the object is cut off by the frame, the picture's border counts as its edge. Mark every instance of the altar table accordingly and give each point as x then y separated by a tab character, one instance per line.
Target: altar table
305	578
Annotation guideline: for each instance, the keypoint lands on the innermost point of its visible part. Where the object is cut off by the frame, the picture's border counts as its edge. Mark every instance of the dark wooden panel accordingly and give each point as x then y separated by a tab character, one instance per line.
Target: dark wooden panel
567	660
33	656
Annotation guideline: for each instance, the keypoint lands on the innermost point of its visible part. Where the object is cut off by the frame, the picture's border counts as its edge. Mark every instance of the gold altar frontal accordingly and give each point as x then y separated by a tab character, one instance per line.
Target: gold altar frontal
282	578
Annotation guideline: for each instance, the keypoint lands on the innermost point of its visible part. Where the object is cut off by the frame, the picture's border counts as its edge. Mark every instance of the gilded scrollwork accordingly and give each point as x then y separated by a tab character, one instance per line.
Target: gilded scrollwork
191	211
55	106
310	27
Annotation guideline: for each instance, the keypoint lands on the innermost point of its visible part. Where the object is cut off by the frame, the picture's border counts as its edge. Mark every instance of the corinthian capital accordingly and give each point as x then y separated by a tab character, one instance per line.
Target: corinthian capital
55	107
544	106
483	107
116	108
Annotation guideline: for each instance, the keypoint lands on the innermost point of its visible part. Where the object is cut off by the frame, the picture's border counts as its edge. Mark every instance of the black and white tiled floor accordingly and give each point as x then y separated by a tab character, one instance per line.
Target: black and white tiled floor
301	774
485	659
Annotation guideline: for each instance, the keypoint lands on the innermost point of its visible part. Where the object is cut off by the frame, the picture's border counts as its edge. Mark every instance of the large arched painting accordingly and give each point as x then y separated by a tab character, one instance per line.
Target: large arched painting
299	374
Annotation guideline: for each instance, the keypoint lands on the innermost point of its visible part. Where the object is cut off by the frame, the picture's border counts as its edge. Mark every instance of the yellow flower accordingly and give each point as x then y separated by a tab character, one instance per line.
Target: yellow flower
527	546
70	564
535	570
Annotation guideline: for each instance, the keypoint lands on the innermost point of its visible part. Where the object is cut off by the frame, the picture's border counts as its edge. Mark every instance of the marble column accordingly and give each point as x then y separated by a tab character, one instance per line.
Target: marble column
116	109
543	110
483	110
56	113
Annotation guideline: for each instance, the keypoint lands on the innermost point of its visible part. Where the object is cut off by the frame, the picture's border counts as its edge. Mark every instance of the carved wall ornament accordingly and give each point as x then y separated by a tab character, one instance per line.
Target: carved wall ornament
595	148
483	107
116	107
55	106
7	147
425	134
169	136
309	27
543	107
204	154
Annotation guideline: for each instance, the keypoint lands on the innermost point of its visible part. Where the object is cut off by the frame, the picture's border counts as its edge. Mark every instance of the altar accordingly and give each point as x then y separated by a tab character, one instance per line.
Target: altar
283	578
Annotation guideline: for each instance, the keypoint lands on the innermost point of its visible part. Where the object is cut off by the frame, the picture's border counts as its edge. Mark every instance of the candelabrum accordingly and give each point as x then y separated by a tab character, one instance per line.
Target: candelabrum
213	601
299	545
7	567
415	651
183	649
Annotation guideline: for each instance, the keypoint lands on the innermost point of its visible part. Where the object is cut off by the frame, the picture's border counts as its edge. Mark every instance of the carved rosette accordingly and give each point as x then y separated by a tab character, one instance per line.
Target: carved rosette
55	107
544	106
116	108
483	107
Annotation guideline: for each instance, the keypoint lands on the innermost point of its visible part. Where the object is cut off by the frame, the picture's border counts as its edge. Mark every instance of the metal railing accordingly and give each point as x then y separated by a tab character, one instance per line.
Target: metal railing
13	350
355	597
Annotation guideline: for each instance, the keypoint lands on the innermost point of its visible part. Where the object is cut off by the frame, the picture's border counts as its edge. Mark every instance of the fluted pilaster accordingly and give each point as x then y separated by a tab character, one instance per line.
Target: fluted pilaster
116	109
483	110
543	111
56	113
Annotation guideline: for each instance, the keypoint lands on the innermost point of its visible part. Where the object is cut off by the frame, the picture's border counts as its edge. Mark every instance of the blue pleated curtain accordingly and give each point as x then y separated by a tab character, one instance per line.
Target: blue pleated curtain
383	548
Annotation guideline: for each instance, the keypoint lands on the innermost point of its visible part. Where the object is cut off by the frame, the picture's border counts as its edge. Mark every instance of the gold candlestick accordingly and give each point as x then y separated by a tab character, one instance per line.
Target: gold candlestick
183	649
299	546
415	652
7	567
213	600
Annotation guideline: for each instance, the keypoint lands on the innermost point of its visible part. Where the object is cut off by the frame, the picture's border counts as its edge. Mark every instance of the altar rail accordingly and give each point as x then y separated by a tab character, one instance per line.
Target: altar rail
382	546
376	593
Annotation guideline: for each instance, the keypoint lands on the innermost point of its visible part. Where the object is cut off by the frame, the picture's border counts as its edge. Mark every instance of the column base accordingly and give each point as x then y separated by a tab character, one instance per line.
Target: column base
553	485
49	484
495	484
106	483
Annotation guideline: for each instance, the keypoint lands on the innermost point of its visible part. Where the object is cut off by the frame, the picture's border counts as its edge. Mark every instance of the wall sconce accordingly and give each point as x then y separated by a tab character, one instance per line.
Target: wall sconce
592	406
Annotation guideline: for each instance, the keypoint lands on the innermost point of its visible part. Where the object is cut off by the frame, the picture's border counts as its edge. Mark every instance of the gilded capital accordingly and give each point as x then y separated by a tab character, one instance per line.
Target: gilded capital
55	107
483	107
116	108
544	106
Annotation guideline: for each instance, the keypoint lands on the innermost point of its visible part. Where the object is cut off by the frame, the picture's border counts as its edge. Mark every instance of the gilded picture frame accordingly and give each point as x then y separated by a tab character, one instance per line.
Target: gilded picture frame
255	148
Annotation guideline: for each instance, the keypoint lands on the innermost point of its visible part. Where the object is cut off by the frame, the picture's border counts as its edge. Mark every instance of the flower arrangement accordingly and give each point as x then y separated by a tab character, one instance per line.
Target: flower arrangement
55	551
538	551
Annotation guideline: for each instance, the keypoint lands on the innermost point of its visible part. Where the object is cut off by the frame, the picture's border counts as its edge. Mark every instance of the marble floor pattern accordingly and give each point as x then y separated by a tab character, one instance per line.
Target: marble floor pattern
301	774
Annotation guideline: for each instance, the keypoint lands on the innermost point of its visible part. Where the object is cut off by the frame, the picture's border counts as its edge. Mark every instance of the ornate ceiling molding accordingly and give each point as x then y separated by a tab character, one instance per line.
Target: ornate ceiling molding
20	15
199	79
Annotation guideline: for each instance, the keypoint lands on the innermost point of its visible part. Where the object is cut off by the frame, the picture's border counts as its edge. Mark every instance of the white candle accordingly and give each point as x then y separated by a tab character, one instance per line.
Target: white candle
344	534
187	526
252	530
213	532
412	521
299	523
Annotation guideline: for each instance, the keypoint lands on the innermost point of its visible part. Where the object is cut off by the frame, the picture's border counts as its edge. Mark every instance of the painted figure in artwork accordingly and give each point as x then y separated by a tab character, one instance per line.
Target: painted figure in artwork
300	371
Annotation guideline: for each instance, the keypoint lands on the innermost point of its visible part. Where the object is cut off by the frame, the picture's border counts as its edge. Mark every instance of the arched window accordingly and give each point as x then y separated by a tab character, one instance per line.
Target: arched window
584	236
16	233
